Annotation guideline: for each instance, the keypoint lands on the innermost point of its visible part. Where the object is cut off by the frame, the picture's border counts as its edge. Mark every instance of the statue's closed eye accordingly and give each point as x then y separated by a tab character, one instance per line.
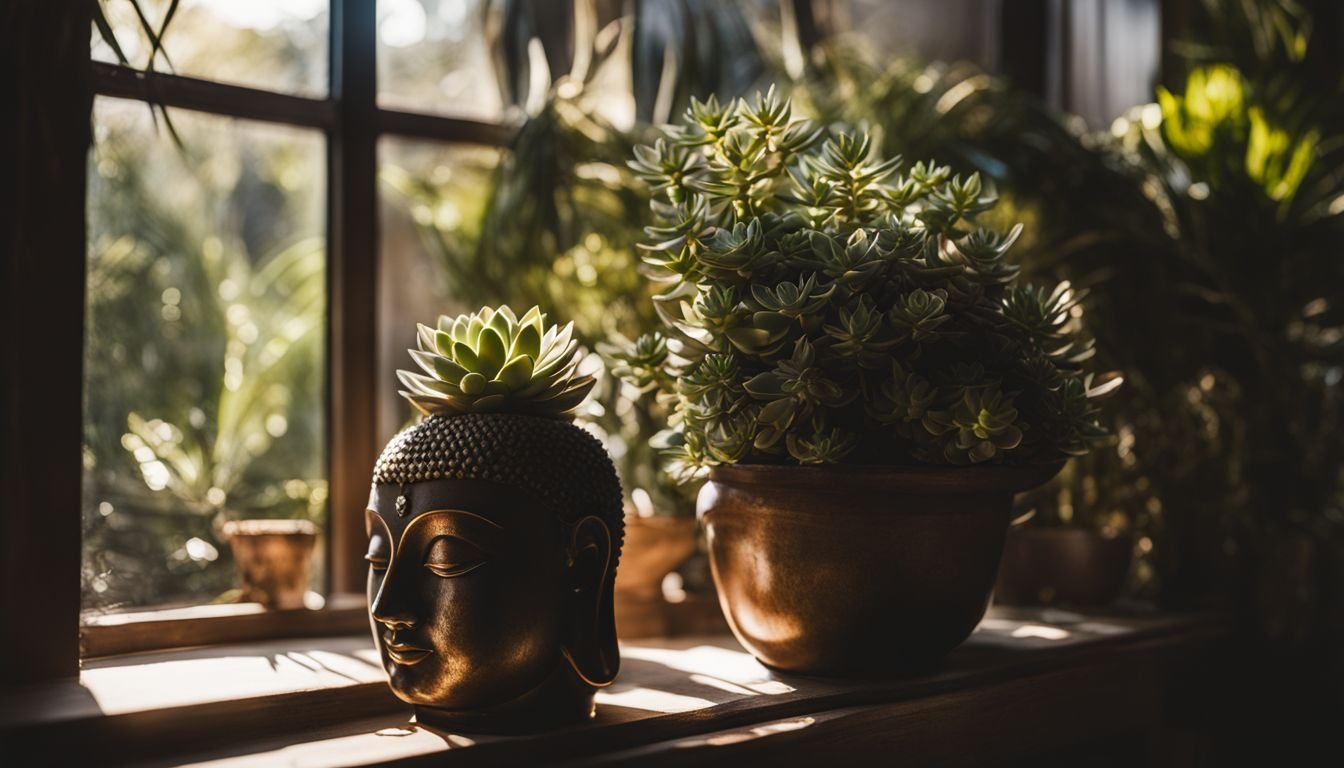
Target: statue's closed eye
450	556
380	553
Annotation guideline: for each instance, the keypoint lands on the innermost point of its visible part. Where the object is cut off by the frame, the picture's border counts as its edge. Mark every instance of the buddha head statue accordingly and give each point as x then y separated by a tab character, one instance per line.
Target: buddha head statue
495	527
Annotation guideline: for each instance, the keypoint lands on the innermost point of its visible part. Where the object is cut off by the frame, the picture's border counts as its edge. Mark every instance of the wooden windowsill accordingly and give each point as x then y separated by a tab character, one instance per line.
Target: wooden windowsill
326	702
120	633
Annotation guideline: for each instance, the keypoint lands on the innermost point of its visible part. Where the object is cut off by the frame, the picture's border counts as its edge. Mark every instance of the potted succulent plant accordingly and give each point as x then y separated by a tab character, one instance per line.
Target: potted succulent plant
495	527
825	310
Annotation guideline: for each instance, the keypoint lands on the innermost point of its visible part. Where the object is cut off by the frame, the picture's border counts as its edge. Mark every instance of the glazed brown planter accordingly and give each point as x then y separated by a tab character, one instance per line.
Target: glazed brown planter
653	547
857	571
274	559
1063	566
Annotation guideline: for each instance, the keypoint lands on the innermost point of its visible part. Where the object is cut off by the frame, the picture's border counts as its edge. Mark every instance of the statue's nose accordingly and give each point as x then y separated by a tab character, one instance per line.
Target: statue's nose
395	621
390	608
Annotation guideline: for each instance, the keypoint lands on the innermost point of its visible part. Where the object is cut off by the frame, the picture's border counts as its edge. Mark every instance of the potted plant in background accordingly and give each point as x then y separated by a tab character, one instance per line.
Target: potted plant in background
1072	548
825	310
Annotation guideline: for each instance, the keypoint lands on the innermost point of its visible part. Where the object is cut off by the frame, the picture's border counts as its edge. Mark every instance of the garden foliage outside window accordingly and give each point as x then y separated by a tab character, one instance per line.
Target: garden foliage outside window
207	294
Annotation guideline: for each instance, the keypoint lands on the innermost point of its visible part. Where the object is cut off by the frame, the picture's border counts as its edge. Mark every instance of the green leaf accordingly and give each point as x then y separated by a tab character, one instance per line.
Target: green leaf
489	403
425	338
528	342
444	343
491	353
473	384
474	328
466	357
447	370
500	323
516	373
779	413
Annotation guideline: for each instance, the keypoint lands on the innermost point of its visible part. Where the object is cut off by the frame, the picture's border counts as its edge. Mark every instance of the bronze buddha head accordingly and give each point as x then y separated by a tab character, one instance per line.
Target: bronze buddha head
493	544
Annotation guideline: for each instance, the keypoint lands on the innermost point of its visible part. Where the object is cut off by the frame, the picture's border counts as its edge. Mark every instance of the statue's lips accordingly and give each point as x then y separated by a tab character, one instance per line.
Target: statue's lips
406	655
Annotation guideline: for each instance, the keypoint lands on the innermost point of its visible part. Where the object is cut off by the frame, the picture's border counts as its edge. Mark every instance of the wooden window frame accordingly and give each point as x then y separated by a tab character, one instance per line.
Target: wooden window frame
56	81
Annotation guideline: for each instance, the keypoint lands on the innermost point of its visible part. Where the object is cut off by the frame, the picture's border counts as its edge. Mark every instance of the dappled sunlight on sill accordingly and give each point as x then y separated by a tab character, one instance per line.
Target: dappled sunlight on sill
651	700
1045	633
737	737
179	678
736	669
1026	629
360	748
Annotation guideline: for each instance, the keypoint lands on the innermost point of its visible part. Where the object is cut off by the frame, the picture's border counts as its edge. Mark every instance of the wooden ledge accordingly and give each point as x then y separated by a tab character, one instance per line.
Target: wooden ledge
115	634
326	702
126	708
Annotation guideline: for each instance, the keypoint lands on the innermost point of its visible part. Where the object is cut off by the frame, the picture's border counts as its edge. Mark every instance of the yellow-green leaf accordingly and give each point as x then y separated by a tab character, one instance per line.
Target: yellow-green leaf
447	370
527	342
490	353
465	357
473	384
516	373
443	342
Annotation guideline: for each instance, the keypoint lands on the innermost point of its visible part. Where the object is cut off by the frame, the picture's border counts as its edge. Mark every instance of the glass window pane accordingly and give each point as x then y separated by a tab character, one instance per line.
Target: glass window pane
943	30
432	199
432	57
278	45
204	381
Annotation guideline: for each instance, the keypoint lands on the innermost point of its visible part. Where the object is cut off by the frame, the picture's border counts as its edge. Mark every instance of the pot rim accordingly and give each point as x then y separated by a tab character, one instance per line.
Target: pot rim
1068	532
934	479
266	526
672	523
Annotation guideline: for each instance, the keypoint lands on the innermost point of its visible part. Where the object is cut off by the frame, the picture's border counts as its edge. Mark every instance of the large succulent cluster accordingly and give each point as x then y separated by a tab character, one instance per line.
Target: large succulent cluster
493	362
825	307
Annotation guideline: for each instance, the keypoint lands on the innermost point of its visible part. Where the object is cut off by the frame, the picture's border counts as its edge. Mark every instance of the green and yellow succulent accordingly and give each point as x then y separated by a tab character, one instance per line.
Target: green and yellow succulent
492	361
824	307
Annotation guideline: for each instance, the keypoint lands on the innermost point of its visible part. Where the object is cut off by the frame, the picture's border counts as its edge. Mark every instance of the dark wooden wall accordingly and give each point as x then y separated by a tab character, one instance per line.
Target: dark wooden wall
45	71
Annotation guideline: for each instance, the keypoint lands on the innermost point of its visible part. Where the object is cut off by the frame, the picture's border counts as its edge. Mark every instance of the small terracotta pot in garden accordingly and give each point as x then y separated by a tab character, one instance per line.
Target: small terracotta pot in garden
274	559
653	547
1075	567
857	571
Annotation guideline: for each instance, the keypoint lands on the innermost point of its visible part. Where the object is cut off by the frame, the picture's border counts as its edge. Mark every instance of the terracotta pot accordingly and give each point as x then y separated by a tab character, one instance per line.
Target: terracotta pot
274	559
857	571
1063	566
653	547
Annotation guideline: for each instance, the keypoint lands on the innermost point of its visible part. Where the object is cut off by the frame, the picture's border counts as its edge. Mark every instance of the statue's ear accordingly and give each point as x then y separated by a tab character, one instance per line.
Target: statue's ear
590	641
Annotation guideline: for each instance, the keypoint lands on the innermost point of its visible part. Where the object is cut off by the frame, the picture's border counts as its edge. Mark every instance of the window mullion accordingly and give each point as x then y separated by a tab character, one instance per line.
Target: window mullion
352	231
212	97
444	129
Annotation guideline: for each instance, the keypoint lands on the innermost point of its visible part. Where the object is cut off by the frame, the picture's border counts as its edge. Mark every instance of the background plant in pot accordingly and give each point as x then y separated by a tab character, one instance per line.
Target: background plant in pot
824	309
1072	547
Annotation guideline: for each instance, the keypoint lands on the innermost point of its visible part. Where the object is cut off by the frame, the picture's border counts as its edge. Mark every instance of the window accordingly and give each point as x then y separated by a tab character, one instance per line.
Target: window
277	46
432	57
203	355
232	367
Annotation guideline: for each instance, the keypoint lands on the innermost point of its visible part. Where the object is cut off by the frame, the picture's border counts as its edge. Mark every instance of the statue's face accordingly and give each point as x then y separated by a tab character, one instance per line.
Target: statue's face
467	590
